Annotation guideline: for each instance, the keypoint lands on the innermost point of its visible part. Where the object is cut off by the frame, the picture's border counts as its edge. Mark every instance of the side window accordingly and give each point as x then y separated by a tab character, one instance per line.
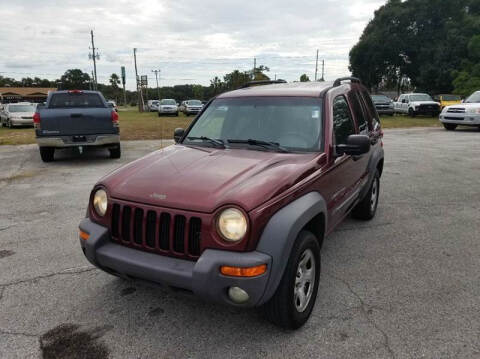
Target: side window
361	116
400	98
342	120
371	109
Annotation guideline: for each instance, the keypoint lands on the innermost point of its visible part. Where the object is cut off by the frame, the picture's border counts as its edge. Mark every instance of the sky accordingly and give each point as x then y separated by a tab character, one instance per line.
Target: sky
188	41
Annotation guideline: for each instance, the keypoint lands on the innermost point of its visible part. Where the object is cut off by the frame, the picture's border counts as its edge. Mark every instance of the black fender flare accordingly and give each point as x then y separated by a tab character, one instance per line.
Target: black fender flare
281	232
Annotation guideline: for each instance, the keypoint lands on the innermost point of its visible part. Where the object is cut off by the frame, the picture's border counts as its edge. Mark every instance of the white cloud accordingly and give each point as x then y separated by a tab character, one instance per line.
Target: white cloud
190	41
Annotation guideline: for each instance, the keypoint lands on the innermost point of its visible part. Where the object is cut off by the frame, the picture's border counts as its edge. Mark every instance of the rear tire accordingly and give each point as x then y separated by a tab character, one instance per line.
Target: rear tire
115	152
47	154
159	115
176	114
289	308
367	207
450	126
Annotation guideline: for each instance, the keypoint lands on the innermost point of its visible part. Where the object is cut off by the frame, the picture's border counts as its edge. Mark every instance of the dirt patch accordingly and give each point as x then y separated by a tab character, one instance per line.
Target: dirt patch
68	341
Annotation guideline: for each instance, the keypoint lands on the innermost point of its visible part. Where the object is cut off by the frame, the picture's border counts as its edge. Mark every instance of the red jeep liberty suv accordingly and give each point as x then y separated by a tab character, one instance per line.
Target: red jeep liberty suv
236	211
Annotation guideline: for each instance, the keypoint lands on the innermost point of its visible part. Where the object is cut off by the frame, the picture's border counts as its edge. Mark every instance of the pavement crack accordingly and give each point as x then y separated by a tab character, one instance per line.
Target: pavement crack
365	311
69	271
7	332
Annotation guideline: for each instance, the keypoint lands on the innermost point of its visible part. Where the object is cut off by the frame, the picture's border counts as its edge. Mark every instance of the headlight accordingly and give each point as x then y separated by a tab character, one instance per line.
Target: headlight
232	225
100	202
473	110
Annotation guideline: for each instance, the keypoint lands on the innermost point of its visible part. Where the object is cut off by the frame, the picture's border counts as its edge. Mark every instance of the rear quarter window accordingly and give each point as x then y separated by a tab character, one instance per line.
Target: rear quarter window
69	100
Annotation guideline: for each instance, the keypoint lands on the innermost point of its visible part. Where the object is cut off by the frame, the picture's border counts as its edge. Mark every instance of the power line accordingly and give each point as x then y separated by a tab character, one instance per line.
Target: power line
156	72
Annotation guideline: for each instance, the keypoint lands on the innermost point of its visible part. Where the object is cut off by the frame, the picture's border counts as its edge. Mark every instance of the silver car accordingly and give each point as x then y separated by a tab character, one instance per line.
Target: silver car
167	106
191	107
17	114
464	114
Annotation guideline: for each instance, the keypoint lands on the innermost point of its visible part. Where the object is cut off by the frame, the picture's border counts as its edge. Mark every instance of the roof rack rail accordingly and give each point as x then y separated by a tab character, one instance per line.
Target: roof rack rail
263	82
338	81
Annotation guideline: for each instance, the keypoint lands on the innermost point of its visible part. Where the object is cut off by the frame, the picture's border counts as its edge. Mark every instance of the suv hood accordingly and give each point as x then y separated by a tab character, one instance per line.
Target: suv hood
203	179
465	105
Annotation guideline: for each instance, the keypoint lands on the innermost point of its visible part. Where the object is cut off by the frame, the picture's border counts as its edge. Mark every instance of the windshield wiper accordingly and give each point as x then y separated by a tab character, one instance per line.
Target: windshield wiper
270	145
218	143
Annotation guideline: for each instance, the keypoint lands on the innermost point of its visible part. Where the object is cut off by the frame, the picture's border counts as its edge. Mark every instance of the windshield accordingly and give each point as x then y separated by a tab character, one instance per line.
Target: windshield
21	108
474	98
294	123
69	100
168	102
194	103
421	97
450	98
380	98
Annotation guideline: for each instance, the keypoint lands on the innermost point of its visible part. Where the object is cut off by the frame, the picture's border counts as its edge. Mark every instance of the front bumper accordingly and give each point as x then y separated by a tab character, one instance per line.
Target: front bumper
466	119
68	141
202	277
385	111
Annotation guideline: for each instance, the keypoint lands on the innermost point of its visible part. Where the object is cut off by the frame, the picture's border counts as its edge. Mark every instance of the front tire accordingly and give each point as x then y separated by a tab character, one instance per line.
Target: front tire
293	301
411	113
47	154
450	126
115	152
367	208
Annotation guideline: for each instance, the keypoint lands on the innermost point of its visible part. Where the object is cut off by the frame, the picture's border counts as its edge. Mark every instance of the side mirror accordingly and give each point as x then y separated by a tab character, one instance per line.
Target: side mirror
178	134
403	101
356	145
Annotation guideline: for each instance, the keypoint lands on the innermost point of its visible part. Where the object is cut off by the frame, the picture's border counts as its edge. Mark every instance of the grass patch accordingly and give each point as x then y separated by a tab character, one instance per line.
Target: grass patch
133	126
399	121
148	126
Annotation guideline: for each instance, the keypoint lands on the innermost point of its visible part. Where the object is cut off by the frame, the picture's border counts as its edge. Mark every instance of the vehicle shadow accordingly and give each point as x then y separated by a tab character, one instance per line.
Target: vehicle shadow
86	154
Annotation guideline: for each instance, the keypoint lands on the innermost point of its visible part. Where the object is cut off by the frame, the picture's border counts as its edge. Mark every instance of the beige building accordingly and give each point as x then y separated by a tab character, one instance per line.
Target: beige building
24	94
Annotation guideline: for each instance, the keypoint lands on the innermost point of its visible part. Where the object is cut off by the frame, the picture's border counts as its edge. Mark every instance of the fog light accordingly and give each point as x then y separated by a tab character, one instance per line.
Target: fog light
238	295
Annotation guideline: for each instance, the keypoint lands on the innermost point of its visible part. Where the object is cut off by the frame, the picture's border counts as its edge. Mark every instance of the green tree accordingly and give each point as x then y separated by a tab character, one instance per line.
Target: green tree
114	81
422	41
304	78
75	79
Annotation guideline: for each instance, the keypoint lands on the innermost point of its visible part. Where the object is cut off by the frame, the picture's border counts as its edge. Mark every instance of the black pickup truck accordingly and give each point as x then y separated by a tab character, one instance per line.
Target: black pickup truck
76	118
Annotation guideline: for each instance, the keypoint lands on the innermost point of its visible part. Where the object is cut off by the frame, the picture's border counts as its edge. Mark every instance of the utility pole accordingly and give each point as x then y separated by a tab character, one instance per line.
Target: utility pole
316	67
254	67
139	95
323	70
123	83
94	56
157	72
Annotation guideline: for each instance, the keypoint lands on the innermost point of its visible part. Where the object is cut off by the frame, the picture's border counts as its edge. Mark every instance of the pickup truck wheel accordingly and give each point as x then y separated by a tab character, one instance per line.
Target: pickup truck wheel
450	126
9	123
411	113
47	154
367	208
159	115
291	305
115	152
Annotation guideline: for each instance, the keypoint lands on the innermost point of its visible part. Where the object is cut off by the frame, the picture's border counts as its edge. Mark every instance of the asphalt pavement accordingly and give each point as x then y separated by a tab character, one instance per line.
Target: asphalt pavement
404	285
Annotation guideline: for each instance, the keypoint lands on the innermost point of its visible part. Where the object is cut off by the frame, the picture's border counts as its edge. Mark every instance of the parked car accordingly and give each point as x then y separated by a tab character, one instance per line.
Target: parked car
167	106
448	100
76	118
17	114
238	209
191	107
152	105
383	104
415	104
112	104
464	114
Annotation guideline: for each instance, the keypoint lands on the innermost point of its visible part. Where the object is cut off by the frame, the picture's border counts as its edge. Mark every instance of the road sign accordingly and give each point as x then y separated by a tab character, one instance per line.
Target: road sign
144	80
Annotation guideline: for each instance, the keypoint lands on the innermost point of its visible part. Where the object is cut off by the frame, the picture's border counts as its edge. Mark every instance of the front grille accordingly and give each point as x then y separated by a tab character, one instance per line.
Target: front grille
456	110
156	231
428	107
454	118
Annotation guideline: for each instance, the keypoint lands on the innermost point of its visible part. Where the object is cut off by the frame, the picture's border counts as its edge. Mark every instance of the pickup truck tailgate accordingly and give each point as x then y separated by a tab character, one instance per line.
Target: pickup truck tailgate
76	121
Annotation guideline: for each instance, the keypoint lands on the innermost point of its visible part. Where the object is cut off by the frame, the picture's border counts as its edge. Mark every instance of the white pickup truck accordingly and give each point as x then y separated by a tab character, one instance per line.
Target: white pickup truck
416	104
